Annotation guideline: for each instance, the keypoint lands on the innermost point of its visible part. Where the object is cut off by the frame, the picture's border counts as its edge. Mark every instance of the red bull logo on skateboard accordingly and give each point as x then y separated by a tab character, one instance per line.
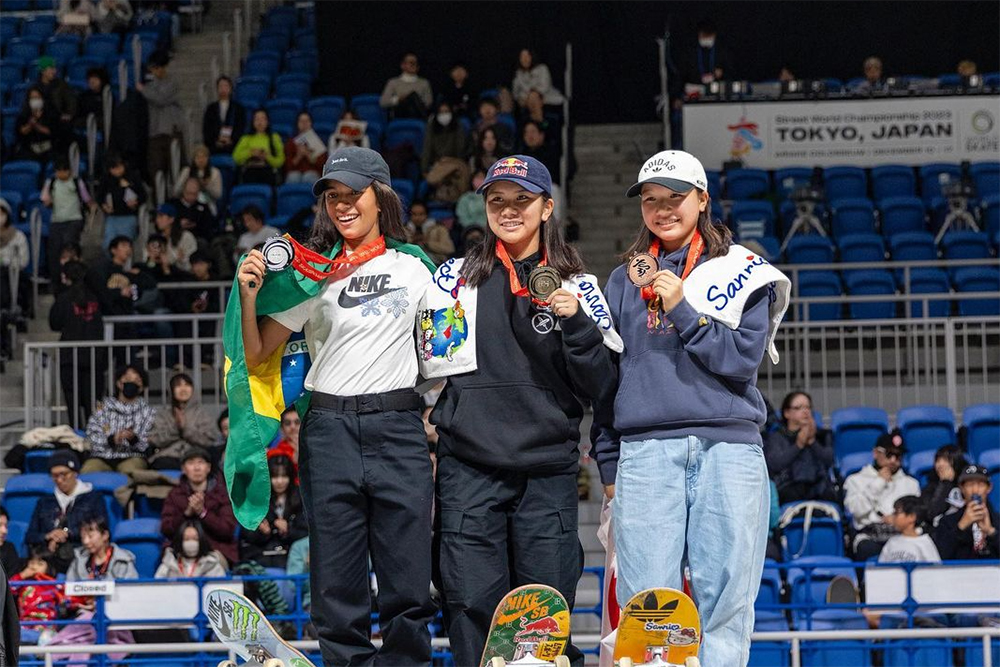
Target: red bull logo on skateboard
540	629
510	167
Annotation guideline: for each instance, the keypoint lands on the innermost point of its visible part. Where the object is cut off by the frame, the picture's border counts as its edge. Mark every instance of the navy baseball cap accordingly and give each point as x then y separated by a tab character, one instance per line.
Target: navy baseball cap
355	167
524	170
167	209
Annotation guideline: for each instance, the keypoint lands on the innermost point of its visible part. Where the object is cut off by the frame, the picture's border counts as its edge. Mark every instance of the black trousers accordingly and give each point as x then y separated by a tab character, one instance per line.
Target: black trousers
501	529
367	488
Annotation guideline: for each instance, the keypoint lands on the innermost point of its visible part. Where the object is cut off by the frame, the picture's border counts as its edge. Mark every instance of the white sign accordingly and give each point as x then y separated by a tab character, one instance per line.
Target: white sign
936	584
102	587
870	132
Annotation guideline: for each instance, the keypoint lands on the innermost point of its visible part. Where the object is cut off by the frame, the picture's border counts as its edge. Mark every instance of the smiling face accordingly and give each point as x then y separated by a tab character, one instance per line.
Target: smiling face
515	214
355	214
672	216
183	391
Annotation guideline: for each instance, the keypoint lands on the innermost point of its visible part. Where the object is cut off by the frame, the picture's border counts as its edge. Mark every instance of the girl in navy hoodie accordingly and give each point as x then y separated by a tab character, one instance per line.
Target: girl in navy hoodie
696	313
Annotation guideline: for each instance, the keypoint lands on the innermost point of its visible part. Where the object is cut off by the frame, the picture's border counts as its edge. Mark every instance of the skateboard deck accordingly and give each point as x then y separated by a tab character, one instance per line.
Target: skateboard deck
658	626
530	622
241	626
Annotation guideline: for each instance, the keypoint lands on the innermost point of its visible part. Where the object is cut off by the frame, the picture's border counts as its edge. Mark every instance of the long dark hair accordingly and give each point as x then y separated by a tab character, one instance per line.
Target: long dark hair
324	233
787	404
560	255
283	464
955	458
272	145
176	231
204	548
716	235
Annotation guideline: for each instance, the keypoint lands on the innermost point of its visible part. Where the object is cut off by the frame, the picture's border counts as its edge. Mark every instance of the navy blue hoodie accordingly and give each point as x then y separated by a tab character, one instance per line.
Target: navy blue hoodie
698	377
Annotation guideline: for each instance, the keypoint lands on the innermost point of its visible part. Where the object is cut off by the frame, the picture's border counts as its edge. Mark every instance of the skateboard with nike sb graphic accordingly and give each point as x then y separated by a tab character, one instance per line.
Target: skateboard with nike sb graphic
530	627
242	627
658	627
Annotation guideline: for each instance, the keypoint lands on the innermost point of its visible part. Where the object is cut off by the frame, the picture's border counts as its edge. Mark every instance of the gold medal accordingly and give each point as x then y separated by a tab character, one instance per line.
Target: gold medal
641	269
543	281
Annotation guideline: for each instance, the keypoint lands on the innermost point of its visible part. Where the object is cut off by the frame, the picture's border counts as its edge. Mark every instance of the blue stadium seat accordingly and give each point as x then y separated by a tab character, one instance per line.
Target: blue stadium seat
844	183
933	175
714	183
752	219
105	483
863	247
23	176
22	493
143	538
242	196
367	108
769	592
77	67
36	460
962	244
893	180
899	215
293	197
928	281
982	423
974	652
326	111
786	180
15	201
102	45
262	64
294	86
918	464
926	427
747	184
283	114
918	653
825	535
251	91
152	508
41	26
977	279
867	283
8	31
986	176
853	462
912	247
11	71
16	532
284	17
406	192
24	48
403	131
808	580
271	41
857	429
63	48
769	654
853	216
301	61
374	134
989	213
819	283
305	42
809	249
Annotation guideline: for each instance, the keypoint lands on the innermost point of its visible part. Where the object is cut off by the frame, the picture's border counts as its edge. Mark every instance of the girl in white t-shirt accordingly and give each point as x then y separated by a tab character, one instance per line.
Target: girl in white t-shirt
365	469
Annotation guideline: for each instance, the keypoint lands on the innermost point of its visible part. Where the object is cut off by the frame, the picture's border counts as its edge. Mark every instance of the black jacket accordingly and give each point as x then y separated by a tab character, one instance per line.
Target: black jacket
236	118
270	548
112	187
77	314
955	544
48	516
521	408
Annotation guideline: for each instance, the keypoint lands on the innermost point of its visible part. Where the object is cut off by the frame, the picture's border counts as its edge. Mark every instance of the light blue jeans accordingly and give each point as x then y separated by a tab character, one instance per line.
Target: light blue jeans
690	500
120	225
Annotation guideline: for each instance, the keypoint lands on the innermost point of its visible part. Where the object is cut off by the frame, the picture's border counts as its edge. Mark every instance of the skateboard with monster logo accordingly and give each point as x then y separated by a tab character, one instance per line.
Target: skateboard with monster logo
241	626
659	627
530	627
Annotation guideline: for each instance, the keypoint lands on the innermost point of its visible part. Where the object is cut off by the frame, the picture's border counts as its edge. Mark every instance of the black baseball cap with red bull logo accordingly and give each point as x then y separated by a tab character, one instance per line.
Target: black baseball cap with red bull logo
524	170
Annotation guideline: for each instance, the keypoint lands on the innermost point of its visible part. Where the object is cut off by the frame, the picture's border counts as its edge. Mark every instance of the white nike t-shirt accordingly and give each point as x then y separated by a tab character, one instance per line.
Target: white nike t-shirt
361	329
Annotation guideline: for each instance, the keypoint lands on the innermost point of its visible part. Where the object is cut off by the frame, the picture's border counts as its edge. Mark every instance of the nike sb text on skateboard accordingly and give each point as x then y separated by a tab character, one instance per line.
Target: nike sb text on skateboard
530	627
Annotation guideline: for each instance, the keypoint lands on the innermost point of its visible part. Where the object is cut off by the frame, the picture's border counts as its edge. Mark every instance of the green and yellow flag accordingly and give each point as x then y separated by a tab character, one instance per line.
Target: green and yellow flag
258	396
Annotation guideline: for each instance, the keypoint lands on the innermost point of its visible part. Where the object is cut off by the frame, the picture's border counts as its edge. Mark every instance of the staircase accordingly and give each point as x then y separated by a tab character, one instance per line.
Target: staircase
608	160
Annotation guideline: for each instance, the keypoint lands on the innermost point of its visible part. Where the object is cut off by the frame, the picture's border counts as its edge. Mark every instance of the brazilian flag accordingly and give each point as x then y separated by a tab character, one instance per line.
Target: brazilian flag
258	396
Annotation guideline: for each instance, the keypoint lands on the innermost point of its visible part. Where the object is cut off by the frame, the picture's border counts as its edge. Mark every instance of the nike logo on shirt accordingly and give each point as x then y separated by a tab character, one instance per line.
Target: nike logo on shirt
371	288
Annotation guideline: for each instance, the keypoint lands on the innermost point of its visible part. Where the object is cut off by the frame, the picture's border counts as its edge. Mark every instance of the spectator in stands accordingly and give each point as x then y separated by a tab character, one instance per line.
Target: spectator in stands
113	16
194	215
445	158
256	231
223	424
36	124
710	61
37	603
285	521
127	290
201	494
305	153
350	131
58	94
874	79
298	563
9	559
120	193
259	155
224	120
966	68
786	73
57	519
941	492
156	263
180	426
503	137
471	208
911	544
14	259
435	237
209	178
77	315
75	17
91	100
871	492
190	554
119	431
535	144
289	443
181	243
472	237
534	110
970	532
69	200
407	95
487	151
533	75
166	117
457	93
799	455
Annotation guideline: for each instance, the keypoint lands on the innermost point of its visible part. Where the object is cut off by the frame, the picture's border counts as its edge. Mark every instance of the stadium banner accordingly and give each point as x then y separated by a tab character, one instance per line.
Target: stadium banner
824	133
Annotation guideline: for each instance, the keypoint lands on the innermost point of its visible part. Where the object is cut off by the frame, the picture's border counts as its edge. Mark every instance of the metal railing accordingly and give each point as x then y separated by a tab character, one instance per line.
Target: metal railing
567	96
794	271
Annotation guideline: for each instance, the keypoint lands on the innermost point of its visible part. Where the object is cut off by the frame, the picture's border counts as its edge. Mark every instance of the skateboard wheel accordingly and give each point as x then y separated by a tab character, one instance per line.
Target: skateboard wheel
625	662
562	661
498	662
273	662
692	662
227	663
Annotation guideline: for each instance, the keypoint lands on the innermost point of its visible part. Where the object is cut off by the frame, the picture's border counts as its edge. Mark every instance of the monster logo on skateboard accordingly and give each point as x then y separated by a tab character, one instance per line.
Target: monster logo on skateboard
659	626
530	627
241	626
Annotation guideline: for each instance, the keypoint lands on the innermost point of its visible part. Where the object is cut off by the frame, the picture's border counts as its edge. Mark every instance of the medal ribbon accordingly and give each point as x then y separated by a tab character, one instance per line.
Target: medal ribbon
303	256
515	283
694	252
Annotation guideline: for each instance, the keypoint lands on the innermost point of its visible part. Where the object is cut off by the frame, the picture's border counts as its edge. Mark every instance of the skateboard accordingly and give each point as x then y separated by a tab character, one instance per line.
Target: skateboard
659	626
530	627
241	626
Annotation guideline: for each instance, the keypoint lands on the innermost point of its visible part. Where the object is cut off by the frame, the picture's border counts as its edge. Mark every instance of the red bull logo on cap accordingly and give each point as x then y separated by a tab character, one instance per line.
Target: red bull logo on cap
510	166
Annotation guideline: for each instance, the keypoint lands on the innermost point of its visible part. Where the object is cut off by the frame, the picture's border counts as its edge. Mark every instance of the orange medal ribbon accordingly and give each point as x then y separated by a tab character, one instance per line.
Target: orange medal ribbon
516	288
694	252
303	257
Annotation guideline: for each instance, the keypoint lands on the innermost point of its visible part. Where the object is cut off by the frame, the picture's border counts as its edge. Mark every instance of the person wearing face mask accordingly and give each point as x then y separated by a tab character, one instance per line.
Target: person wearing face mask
119	431
200	495
445	158
37	127
710	61
191	555
407	95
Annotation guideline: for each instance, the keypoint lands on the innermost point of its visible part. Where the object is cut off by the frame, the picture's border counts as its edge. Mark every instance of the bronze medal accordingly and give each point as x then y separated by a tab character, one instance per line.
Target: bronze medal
543	281
641	269
278	253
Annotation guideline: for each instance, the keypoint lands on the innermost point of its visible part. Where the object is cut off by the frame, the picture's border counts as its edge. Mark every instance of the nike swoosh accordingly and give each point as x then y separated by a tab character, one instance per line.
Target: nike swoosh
345	300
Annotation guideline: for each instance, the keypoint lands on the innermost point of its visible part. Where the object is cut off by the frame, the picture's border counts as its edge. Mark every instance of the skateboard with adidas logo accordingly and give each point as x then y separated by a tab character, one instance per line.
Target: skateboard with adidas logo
241	626
530	627
658	627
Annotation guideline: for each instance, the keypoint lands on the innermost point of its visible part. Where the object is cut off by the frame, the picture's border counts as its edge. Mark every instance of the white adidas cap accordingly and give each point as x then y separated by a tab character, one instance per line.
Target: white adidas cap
676	170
